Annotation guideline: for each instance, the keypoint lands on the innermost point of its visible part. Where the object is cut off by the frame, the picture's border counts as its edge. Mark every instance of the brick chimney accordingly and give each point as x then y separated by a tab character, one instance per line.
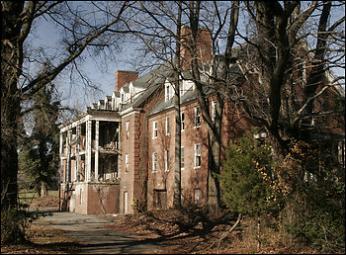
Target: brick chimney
124	77
204	46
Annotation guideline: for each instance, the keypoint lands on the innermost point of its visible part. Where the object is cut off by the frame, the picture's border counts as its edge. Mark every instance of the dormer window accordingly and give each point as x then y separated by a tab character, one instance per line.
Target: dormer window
167	92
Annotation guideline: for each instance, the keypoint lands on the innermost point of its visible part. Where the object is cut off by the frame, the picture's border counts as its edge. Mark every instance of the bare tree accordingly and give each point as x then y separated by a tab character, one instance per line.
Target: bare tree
81	30
158	26
292	58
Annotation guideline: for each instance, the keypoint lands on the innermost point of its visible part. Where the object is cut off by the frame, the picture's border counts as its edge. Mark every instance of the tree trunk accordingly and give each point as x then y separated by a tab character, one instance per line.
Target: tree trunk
177	167
44	189
214	187
258	232
11	65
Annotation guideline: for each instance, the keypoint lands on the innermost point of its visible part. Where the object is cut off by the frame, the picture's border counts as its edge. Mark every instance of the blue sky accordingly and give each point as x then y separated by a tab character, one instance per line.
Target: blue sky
101	70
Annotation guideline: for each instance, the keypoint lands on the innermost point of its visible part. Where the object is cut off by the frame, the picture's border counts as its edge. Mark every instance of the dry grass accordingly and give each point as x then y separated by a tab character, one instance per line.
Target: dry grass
241	241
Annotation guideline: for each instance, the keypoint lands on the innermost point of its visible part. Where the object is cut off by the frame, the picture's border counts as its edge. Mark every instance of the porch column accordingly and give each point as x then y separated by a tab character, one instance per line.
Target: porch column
97	126
61	144
77	153
88	150
68	167
119	149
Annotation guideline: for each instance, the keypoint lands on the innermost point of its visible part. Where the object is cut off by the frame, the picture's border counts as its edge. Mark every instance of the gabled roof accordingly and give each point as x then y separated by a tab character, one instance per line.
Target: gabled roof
150	82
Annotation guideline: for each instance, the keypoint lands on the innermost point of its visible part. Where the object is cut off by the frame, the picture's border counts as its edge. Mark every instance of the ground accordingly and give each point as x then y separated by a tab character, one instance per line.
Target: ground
52	232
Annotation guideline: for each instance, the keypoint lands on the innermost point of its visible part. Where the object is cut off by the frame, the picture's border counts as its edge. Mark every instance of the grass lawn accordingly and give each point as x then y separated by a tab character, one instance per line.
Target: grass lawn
27	196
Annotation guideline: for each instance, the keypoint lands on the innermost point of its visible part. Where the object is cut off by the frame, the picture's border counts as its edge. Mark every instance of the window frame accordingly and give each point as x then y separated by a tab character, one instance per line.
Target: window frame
154	162
126	161
155	128
166	160
197	145
182	158
182	121
167	126
196	110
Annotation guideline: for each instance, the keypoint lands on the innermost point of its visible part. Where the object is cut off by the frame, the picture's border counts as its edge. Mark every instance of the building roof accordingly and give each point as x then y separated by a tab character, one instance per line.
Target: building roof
150	82
191	94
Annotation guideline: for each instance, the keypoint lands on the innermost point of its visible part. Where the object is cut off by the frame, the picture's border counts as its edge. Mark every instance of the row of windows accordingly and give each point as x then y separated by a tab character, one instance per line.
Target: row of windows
197	158
196	121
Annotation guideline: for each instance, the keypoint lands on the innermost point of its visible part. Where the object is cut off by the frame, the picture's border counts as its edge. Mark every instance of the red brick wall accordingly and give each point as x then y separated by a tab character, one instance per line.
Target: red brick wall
103	198
134	181
234	124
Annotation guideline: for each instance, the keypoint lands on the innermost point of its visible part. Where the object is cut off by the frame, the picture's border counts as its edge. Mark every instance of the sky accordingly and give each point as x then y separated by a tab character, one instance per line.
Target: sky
101	70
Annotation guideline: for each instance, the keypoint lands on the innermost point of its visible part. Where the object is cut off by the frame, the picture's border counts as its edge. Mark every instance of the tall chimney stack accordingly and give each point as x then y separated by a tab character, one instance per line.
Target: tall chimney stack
124	77
204	46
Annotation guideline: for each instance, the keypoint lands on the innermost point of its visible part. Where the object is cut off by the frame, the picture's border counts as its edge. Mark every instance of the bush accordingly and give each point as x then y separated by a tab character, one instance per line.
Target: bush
12	227
248	178
315	207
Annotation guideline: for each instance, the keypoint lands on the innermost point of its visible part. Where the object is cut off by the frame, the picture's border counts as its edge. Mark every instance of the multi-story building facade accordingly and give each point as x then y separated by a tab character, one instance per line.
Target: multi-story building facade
119	157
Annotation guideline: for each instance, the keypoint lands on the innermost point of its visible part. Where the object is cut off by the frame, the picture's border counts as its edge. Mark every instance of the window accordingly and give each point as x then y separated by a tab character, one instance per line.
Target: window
182	121
166	158
182	158
126	162
197	196
213	110
154	162
197	119
167	125
127	129
197	156
167	92
155	131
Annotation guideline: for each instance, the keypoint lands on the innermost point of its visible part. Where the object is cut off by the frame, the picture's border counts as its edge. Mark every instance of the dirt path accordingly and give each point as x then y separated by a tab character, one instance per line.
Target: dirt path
92	235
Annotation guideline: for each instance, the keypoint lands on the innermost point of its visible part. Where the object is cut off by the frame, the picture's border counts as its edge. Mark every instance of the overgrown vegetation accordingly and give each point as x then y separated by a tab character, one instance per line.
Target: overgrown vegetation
39	155
301	197
12	226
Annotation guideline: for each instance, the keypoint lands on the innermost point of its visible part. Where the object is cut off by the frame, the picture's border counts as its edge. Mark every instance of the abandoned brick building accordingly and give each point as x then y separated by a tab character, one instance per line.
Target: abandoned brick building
120	153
